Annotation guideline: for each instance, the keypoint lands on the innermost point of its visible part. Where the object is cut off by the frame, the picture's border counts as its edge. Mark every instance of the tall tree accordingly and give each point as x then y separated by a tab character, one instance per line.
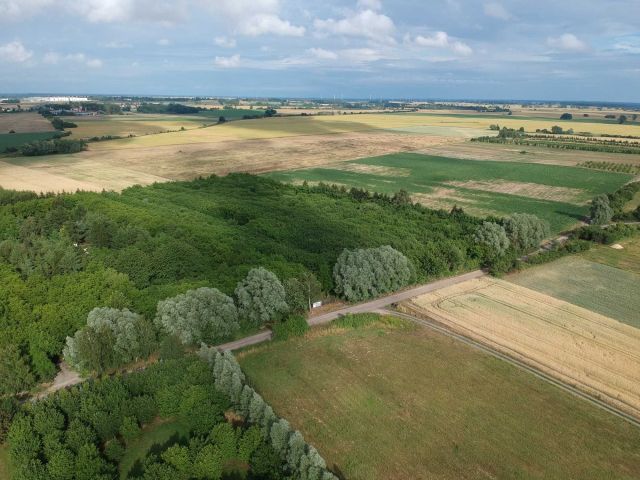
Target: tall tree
601	211
261	297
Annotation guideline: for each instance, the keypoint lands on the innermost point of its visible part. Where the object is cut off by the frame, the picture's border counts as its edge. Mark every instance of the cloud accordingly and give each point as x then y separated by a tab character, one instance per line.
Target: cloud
496	10
54	58
117	45
322	54
227	62
268	23
444	41
18	9
365	23
567	42
15	52
225	42
110	11
370	4
627	47
163	42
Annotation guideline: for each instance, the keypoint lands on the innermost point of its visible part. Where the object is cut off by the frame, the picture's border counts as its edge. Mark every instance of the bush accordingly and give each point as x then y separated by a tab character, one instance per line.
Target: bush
293	326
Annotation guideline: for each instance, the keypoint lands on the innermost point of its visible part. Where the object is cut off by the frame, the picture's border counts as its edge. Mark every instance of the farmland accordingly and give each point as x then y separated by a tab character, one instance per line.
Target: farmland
595	286
27	122
627	258
580	347
555	193
391	401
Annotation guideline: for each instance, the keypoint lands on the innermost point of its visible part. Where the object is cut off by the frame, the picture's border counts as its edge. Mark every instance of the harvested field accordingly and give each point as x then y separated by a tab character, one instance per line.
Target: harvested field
510	153
595	353
394	402
525	189
596	286
118	169
27	122
372	169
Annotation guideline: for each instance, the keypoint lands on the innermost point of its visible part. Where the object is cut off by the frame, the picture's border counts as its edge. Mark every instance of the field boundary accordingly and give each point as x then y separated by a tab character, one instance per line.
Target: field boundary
429	320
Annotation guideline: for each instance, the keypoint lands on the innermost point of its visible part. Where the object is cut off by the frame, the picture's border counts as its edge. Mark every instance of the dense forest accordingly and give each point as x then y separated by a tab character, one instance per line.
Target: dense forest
61	256
92	431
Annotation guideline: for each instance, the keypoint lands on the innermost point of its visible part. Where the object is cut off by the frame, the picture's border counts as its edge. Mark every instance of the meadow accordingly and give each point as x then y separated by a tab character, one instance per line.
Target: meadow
582	348
589	281
557	194
392	401
14	140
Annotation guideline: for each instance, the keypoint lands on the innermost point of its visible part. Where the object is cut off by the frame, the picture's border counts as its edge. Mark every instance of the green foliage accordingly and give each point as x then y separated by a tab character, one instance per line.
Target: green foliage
601	211
202	315
261	297
129	429
15	375
366	273
52	147
292	326
526	231
494	238
111	338
302	291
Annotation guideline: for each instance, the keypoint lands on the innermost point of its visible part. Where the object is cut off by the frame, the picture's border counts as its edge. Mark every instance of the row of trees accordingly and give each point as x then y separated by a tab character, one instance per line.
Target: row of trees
517	233
115	337
52	147
302	459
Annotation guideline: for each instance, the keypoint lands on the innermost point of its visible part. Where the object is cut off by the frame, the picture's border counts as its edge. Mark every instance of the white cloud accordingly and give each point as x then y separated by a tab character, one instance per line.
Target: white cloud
109	11
365	23
444	41
227	62
496	10
370	4
117	45
567	42
163	42
627	47
94	63
17	9
15	52
268	23
54	58
225	42
322	54
361	55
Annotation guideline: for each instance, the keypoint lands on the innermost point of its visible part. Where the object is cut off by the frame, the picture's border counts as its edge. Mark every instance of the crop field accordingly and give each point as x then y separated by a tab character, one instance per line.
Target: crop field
27	122
589	281
556	193
392	401
595	353
134	124
14	140
525	154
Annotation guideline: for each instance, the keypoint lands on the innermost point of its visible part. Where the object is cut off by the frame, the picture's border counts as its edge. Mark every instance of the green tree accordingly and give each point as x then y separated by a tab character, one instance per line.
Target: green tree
261	297
302	291
493	237
129	428
201	315
526	231
15	374
601	211
566	116
366	273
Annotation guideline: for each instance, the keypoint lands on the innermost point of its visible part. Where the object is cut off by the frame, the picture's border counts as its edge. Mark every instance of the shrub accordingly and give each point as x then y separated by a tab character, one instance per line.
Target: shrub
293	326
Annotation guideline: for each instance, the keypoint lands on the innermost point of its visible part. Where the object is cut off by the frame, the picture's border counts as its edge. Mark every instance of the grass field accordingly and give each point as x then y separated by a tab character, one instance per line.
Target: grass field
626	259
5	472
14	140
583	281
580	347
153	436
25	122
397	402
556	193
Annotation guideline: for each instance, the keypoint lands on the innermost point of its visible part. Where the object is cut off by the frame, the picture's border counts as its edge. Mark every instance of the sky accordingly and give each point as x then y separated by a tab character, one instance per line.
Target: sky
463	49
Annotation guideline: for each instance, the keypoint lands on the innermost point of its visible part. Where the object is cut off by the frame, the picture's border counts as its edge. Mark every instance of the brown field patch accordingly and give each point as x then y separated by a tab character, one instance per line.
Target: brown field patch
441	198
372	169
26	122
595	353
115	169
525	189
15	177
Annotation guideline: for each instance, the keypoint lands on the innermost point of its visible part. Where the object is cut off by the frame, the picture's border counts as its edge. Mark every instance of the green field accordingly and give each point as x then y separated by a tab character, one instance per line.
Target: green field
5	472
609	291
14	140
397	402
626	259
155	436
556	193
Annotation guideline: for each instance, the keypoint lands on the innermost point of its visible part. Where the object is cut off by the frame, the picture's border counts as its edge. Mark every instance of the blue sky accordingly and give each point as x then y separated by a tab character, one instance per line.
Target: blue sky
519	49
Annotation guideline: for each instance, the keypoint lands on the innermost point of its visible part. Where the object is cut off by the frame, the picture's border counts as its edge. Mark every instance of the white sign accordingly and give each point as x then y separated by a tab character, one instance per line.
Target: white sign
317	304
